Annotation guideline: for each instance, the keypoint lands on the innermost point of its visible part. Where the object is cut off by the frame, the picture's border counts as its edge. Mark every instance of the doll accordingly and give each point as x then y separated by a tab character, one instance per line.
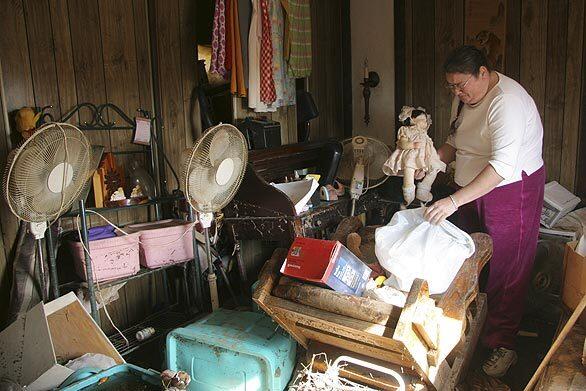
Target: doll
414	151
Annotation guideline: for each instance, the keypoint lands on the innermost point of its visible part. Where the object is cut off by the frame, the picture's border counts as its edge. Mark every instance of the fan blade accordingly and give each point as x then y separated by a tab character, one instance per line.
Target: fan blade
218	147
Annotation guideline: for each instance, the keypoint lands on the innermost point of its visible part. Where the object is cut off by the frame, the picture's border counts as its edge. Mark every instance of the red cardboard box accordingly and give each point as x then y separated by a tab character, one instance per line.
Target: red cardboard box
328	263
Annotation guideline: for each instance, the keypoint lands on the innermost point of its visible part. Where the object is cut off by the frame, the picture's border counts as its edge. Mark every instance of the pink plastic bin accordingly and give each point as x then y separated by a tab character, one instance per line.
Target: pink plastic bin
164	242
111	258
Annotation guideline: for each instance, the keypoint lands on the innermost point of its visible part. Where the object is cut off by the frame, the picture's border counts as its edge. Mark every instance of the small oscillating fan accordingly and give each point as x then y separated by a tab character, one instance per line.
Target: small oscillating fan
361	165
212	172
44	176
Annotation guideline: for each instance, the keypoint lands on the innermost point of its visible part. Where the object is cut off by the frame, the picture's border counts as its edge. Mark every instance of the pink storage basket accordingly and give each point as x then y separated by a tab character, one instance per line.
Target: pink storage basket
111	258
164	242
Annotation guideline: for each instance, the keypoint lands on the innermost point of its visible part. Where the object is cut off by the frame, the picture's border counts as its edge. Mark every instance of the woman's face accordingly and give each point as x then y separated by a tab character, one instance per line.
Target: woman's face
469	88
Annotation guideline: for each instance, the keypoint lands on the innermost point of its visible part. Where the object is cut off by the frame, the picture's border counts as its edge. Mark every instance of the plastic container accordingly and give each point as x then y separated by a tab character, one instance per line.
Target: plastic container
121	377
164	242
111	258
233	350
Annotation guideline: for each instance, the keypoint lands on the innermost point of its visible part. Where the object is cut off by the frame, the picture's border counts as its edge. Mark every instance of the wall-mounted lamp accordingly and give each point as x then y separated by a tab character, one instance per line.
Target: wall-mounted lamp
371	80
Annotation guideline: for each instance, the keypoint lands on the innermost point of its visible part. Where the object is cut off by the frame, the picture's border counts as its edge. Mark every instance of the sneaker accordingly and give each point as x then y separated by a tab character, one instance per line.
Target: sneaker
499	362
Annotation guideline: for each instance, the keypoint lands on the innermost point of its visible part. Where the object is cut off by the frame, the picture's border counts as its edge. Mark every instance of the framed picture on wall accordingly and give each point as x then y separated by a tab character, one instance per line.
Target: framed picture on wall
485	27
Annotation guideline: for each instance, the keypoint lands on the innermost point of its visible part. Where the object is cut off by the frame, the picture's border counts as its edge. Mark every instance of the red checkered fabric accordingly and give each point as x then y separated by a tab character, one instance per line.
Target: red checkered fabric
267	84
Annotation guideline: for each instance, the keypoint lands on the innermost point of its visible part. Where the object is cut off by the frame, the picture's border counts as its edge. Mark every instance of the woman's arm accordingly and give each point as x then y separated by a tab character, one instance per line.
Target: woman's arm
484	183
447	153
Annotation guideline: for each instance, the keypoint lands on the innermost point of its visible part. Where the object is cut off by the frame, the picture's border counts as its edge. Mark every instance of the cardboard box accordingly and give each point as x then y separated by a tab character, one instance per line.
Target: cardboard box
34	349
574	279
328	263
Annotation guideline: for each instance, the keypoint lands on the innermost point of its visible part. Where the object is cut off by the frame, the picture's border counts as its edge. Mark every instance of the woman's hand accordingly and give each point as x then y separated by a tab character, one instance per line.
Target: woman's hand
439	211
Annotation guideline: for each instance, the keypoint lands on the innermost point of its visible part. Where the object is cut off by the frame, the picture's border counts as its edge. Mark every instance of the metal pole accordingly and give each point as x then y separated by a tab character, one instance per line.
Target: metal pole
196	263
52	263
40	260
88	264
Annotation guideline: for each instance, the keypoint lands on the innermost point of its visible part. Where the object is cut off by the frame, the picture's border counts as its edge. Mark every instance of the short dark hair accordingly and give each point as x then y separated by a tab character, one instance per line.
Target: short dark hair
466	59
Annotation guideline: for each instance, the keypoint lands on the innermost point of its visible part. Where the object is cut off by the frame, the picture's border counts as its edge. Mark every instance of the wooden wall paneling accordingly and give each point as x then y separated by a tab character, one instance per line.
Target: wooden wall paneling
315	81
42	55
122	89
170	83
513	39
449	34
18	92
291	124
84	21
408	55
63	54
555	83
533	50
346	53
143	55
187	14
574	83
326	82
424	63
5	269
153	284
400	60
581	165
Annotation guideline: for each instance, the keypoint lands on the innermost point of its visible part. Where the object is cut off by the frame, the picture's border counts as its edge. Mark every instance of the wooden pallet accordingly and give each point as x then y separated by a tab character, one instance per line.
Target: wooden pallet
409	342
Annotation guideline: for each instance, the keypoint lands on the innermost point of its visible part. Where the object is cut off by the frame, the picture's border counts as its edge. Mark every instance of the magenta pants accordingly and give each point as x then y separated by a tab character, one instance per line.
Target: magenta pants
510	215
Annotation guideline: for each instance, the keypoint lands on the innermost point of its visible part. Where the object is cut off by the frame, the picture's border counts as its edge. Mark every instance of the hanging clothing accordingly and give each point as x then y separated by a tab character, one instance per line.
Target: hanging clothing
267	84
228	48
284	84
237	86
254	47
298	37
219	40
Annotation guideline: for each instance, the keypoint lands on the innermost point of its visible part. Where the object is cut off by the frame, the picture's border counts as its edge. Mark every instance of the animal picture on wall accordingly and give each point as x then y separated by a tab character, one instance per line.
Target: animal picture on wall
485	27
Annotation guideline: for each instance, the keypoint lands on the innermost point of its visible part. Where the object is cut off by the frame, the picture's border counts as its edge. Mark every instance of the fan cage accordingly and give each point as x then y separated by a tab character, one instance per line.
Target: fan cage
200	166
26	187
376	150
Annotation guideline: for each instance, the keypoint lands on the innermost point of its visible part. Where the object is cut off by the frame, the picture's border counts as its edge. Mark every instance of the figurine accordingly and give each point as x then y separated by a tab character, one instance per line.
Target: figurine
118	195
26	121
414	151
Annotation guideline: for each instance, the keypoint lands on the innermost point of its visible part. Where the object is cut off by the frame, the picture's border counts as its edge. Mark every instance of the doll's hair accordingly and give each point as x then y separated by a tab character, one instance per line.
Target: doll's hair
466	59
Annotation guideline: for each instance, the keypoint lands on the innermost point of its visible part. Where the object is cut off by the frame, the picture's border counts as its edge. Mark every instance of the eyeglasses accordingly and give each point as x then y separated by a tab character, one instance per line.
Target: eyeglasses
459	86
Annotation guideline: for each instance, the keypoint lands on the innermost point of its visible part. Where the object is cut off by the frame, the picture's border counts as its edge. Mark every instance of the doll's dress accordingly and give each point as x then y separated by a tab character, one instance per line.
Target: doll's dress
425	157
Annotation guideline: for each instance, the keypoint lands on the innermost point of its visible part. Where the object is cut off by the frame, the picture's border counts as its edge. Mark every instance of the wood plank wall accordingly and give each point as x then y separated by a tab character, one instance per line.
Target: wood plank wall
330	72
60	53
545	52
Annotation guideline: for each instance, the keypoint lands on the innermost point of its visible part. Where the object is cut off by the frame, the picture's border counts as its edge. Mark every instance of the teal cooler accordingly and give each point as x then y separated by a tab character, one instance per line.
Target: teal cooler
120	377
233	350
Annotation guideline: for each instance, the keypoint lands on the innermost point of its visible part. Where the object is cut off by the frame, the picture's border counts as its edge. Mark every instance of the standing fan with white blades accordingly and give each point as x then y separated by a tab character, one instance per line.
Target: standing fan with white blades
212	172
361	165
44	176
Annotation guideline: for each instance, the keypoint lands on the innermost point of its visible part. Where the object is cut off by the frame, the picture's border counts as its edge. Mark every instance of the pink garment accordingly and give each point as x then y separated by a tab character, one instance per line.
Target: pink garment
218	64
267	84
425	157
510	215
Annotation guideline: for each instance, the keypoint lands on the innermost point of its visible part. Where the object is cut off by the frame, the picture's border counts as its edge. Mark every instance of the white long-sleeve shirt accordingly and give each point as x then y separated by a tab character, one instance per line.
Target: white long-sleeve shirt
503	129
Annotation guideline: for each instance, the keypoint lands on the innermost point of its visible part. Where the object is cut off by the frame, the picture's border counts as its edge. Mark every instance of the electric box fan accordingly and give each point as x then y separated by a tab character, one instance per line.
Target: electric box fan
212	172
44	176
361	165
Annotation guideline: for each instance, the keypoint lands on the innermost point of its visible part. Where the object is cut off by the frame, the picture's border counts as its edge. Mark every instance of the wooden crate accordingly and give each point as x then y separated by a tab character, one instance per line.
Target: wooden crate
407	340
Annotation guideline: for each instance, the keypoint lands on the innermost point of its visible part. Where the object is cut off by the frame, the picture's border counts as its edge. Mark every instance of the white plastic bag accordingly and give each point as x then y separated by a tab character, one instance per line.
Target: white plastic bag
410	247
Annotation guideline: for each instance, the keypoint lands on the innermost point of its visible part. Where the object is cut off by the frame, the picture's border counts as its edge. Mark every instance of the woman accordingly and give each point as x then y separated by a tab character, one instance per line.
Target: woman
496	141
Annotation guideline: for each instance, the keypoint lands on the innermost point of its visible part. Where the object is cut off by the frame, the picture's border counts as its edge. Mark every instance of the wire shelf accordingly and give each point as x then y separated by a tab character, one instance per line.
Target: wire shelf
163	322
